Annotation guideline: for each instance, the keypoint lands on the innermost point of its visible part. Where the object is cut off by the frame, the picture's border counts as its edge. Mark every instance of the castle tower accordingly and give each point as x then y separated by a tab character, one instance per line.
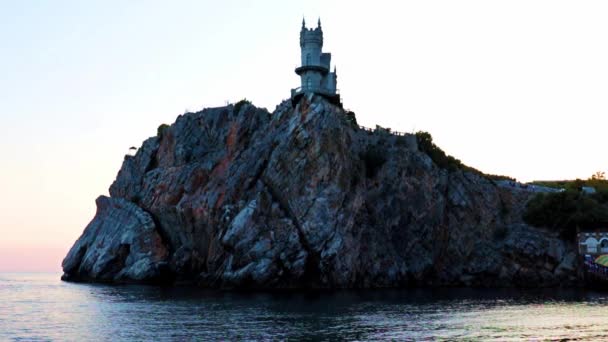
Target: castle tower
314	72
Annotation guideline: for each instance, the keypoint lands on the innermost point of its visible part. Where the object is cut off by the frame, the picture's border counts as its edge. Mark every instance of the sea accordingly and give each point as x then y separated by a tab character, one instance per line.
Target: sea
40	307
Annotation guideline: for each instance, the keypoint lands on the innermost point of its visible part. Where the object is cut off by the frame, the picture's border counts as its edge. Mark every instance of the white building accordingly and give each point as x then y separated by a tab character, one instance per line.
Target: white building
593	243
588	190
314	72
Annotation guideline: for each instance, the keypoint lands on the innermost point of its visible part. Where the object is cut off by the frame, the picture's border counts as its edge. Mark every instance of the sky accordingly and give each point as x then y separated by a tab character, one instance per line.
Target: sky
509	87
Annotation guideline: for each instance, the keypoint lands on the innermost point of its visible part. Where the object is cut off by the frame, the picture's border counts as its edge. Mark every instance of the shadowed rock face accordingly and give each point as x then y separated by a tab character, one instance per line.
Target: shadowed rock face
303	198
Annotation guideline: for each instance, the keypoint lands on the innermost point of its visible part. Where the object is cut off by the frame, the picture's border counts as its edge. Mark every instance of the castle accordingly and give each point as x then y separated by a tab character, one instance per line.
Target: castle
314	71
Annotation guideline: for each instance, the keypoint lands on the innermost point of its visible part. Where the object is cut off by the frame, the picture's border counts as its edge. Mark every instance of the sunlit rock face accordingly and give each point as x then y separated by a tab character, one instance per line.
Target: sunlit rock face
301	198
120	244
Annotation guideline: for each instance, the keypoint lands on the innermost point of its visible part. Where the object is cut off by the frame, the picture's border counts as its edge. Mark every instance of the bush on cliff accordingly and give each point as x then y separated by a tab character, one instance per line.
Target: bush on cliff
352	118
161	130
238	105
445	161
567	211
440	158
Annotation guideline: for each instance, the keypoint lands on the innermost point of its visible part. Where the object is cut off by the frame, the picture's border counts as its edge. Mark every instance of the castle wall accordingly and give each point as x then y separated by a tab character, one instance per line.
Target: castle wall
311	54
315	81
311	43
330	82
326	59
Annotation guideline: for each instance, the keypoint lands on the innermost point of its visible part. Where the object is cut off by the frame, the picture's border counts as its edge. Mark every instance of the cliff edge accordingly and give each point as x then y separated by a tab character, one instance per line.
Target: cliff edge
303	198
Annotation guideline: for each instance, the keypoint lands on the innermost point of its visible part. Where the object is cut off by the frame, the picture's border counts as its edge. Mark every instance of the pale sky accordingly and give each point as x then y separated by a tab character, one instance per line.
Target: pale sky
509	87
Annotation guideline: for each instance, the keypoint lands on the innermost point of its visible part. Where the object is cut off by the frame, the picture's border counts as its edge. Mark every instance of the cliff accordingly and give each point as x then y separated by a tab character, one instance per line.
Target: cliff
238	197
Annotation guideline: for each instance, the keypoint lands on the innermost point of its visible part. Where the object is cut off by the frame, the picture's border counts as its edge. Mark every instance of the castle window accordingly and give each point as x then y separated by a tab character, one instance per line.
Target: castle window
308	83
308	59
604	245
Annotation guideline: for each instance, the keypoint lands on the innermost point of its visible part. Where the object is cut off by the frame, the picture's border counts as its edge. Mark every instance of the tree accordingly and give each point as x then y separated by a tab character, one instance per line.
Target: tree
567	211
599	175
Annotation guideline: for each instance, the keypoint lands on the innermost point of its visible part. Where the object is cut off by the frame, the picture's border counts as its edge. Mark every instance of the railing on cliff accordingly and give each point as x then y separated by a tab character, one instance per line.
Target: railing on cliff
320	90
383	130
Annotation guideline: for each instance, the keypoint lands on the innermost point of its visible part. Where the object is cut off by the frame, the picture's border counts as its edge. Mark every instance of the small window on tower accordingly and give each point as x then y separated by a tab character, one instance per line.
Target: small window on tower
308	83
308	59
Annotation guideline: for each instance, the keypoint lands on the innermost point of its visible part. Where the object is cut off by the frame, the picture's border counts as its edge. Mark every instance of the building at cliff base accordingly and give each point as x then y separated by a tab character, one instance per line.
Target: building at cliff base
593	243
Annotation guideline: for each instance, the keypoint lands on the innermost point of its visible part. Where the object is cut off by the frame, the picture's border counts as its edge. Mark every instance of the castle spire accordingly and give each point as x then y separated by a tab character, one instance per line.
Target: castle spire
315	70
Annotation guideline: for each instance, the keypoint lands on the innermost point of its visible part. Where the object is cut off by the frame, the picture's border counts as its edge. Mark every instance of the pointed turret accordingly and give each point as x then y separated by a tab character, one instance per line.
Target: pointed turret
315	70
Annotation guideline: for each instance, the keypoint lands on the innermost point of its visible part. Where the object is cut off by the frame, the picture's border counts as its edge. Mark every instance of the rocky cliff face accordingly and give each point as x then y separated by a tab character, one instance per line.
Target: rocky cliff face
239	197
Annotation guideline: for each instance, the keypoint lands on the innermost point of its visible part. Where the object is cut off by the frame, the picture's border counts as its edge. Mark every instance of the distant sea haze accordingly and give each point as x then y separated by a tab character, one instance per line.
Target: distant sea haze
38	306
32	258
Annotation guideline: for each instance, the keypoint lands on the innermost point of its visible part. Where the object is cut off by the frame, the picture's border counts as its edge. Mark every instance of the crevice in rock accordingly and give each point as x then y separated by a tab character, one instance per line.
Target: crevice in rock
312	272
258	174
117	263
153	164
443	232
164	238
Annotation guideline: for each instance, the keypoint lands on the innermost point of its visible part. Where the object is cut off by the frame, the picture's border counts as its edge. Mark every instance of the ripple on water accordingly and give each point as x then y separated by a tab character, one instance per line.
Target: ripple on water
40	307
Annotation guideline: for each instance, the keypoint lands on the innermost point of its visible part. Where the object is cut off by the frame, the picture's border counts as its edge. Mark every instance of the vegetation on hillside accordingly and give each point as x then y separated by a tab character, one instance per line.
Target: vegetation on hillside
351	117
241	103
161	130
445	161
568	211
597	181
572	209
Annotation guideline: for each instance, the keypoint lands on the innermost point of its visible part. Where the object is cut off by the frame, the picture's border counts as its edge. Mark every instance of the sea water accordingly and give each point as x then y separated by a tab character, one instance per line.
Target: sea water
40	307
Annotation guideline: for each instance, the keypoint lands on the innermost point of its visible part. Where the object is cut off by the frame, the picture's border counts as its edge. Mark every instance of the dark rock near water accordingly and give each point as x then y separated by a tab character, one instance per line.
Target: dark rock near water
121	244
304	198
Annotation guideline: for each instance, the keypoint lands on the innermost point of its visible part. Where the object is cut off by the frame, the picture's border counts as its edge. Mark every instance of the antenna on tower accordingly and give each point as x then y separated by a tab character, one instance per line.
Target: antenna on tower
319	23
303	22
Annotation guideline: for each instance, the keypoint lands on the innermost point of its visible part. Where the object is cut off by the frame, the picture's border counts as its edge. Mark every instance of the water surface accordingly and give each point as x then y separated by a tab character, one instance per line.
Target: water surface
41	307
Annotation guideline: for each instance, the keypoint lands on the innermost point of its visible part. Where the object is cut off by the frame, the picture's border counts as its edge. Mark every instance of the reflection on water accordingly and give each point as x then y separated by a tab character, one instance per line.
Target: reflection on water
40	307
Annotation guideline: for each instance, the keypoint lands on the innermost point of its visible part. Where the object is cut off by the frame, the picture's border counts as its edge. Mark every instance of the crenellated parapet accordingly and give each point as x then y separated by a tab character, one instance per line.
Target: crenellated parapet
311	36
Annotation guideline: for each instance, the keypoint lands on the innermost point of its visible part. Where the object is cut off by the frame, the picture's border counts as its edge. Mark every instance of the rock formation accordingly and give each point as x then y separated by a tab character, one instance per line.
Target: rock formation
238	197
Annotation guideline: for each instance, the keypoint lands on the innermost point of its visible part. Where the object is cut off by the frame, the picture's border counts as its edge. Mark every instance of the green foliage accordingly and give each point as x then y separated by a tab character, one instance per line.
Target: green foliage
445	161
494	177
160	131
238	105
440	158
350	116
374	157
567	211
599	175
600	196
575	185
600	185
